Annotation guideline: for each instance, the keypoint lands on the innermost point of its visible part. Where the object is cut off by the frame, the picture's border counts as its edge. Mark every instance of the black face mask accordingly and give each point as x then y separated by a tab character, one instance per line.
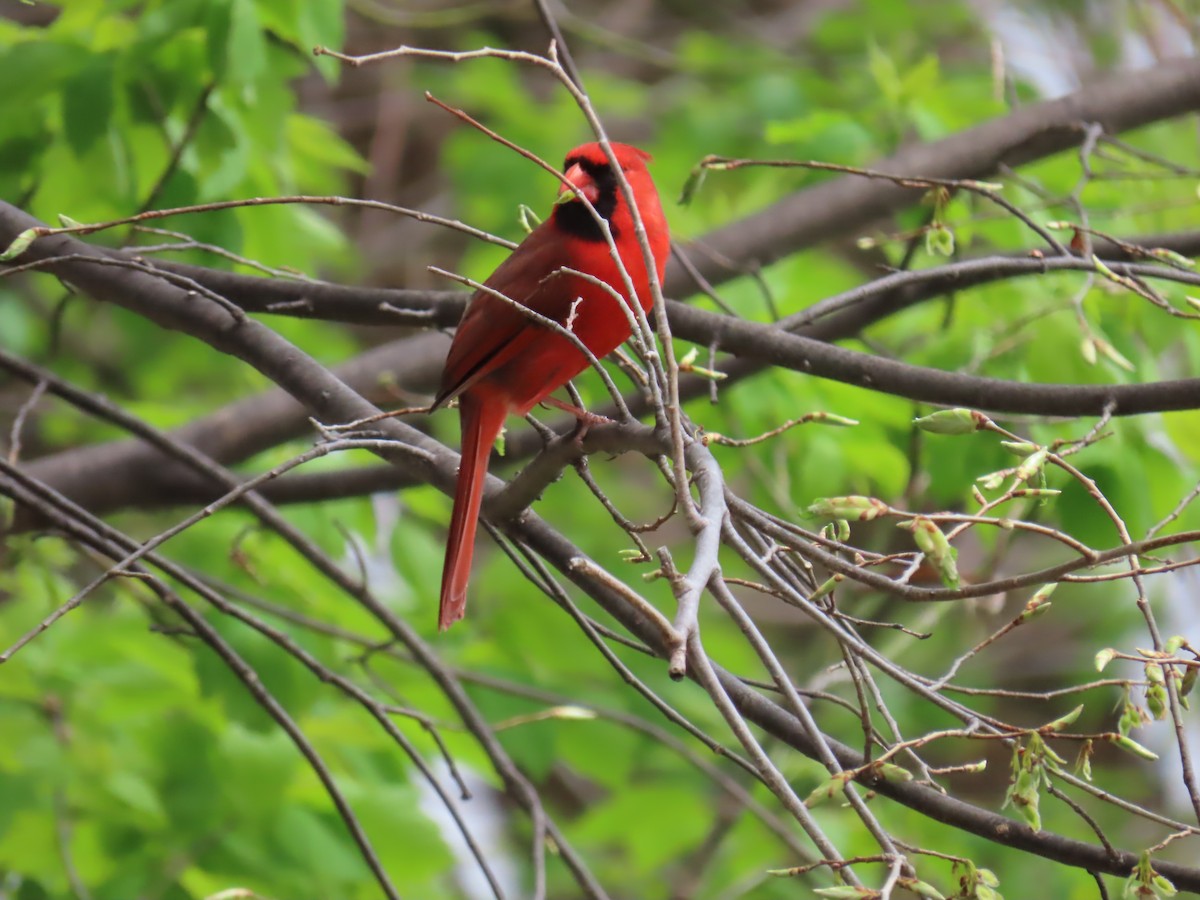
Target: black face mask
574	218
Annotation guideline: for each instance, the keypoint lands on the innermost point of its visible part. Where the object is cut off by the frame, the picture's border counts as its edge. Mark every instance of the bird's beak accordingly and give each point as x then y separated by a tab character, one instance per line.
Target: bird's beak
581	184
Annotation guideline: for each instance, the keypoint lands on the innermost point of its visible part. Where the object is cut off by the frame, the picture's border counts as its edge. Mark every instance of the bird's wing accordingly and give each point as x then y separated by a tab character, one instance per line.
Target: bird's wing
493	331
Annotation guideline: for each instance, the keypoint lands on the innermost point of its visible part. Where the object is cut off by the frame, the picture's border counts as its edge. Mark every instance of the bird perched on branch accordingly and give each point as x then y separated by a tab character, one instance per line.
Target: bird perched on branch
504	361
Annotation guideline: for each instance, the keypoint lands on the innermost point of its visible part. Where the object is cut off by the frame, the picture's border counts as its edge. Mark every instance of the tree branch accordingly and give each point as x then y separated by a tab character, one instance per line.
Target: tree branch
845	205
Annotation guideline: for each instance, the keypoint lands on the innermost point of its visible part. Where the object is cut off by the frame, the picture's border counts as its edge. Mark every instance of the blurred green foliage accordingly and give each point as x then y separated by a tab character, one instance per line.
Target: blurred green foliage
176	783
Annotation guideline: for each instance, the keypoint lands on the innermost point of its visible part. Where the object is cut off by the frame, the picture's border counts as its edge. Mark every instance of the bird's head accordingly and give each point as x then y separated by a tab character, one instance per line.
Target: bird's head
589	175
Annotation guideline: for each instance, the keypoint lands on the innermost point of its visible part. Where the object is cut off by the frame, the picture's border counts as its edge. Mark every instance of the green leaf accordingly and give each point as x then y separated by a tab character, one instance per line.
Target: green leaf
951	421
1156	701
1132	716
137	794
933	543
890	772
1083	762
827	790
216	26
1032	464
19	244
692	185
822	134
259	767
1131	746
30	70
311	843
648	823
528	218
1189	681
318	142
1062	722
246	56
1146	882
854	508
1019	448
1038	604
1163	886
1026	802
921	888
939	240
883	70
88	103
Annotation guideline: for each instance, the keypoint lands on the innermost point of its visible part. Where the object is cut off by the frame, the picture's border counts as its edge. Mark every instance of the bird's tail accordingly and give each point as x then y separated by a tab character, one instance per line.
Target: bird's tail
481	420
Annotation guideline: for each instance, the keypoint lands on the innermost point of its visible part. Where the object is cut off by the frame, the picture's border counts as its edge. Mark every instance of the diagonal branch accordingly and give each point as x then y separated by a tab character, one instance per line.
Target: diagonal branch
847	204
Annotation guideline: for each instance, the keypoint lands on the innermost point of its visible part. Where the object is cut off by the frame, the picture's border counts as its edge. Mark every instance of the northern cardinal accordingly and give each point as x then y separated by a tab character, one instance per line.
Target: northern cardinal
501	361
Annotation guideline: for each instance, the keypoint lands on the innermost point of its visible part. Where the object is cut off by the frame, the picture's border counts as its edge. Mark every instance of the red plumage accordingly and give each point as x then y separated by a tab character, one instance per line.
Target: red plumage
501	361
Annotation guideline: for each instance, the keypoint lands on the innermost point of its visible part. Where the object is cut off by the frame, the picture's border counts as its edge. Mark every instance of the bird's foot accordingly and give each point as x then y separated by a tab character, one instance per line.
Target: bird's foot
584	420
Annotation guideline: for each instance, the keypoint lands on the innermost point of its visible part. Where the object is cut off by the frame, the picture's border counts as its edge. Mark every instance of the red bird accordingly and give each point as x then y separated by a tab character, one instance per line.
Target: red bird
501	361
